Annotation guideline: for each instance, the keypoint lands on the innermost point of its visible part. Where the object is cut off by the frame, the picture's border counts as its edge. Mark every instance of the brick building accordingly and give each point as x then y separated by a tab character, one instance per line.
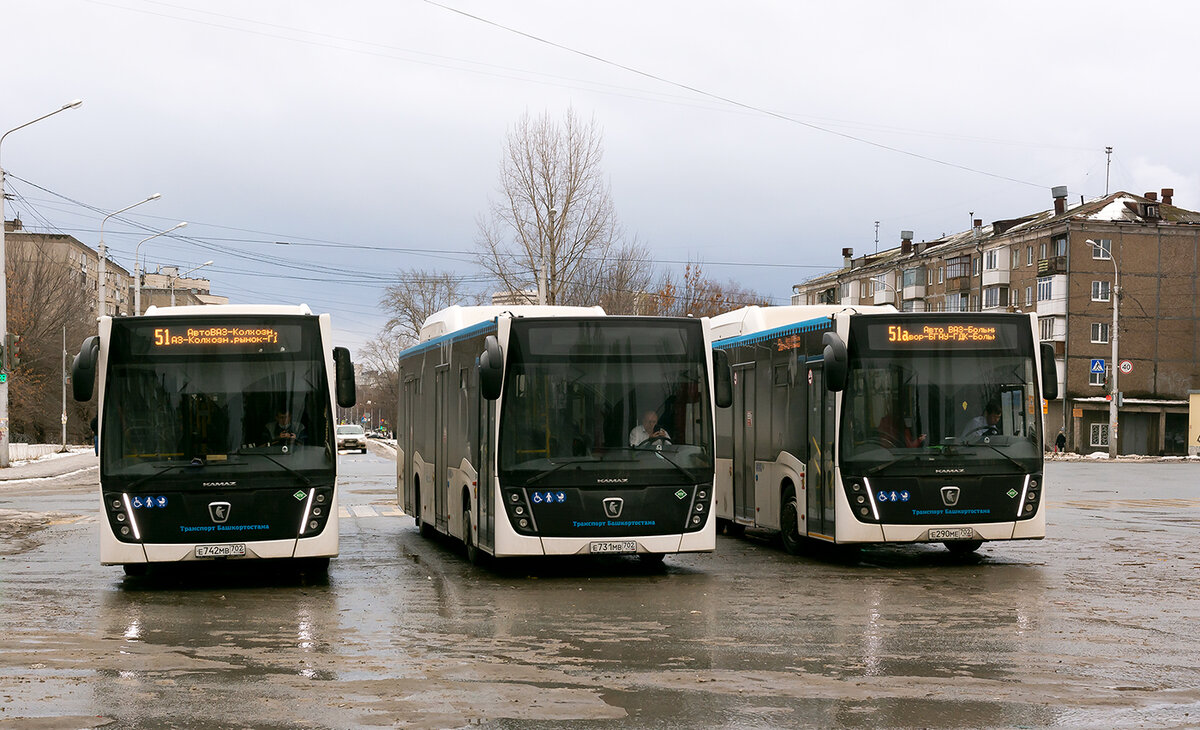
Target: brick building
1044	263
80	258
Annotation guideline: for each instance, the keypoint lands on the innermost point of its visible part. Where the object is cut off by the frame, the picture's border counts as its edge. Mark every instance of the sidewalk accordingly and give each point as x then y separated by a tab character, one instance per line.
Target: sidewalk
49	466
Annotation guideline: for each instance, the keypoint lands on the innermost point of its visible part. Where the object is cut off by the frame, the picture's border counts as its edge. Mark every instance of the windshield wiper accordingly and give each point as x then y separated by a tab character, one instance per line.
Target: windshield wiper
162	470
543	474
280	464
691	477
897	460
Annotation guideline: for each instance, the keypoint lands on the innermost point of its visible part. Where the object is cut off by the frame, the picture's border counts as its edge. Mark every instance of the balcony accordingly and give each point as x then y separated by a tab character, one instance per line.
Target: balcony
958	283
913	291
1053	265
996	277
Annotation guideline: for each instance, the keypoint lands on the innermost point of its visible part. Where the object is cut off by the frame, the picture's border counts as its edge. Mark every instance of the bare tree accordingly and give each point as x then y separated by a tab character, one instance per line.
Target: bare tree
377	374
555	214
416	295
695	295
45	295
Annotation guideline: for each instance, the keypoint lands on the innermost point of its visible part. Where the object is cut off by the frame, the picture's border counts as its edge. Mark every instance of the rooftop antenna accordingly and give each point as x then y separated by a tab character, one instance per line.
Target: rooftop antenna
876	236
1107	165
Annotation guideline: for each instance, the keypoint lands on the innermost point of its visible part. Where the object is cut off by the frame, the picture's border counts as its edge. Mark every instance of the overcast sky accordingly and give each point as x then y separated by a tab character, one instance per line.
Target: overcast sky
759	138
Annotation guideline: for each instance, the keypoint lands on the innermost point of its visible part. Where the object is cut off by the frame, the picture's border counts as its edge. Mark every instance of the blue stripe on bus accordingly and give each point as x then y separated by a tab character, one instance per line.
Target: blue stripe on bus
454	336
753	338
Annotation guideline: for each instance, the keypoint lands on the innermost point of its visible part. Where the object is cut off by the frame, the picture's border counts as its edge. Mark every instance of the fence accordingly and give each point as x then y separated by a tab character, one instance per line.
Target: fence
25	452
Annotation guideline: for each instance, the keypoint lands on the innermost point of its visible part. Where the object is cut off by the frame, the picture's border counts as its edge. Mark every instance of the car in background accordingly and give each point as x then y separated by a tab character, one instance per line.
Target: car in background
351	437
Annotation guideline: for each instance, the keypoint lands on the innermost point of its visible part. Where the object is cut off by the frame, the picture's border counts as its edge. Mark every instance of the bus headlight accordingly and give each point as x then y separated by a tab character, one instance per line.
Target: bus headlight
519	514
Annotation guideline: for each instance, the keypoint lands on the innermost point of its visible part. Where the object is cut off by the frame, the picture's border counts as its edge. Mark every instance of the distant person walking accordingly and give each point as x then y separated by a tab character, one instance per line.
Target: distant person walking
1060	443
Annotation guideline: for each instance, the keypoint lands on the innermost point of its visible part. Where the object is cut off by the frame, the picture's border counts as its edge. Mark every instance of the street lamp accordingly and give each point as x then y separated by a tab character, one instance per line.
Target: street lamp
184	276
4	287
101	288
137	275
1113	368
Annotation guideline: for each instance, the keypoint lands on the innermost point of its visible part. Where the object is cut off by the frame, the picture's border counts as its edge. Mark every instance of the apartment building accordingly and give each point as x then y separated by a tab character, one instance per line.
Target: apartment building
78	257
165	287
1065	263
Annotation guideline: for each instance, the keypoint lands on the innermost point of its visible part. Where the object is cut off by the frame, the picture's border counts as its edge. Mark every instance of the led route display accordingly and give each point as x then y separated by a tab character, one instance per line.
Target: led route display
937	333
941	333
166	337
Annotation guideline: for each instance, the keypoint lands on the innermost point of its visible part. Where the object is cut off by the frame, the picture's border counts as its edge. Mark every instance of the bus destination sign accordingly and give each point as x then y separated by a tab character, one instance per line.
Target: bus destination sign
941	333
934	335
215	335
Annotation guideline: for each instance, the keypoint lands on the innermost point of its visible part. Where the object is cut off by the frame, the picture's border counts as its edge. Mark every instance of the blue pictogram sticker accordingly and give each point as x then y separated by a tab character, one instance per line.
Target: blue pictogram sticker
162	501
895	497
148	502
549	497
883	497
537	497
560	497
137	502
904	496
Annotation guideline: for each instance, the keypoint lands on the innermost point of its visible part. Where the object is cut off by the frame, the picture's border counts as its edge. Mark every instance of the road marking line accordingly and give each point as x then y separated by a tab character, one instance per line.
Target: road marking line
362	510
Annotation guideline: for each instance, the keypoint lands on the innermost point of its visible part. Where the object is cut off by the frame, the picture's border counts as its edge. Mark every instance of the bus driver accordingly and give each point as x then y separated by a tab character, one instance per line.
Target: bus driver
647	430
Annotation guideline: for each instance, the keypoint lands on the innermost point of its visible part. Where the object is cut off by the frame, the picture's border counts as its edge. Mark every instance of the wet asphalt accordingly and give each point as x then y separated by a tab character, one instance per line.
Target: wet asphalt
1096	626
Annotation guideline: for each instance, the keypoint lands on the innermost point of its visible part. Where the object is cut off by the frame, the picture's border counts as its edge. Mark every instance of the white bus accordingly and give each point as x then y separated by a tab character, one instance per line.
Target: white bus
517	432
216	434
868	425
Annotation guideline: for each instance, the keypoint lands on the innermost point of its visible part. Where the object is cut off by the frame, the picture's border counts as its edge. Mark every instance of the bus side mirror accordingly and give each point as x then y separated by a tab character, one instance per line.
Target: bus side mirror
491	368
722	379
83	369
835	361
344	378
1049	372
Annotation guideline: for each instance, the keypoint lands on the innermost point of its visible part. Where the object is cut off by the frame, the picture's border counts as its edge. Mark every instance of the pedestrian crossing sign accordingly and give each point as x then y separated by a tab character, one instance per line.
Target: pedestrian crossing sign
1098	366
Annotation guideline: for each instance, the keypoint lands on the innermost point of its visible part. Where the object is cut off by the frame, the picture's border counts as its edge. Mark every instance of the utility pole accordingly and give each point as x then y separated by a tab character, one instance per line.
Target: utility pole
64	391
1107	165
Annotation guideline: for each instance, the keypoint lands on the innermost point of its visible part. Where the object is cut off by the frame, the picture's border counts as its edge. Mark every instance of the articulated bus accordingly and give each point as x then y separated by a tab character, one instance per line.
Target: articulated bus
522	431
215	432
868	425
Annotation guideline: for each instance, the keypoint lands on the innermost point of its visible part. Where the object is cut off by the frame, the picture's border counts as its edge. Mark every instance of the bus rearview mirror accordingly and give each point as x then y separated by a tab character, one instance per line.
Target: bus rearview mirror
722	379
344	378
83	369
491	368
835	362
1049	372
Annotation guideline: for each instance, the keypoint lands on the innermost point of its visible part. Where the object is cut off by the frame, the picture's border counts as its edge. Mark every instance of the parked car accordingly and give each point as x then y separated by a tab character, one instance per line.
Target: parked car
351	437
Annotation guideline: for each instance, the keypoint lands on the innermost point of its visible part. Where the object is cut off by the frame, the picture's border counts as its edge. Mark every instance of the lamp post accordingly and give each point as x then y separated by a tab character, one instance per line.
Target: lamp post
101	289
137	272
1113	368
184	276
4	286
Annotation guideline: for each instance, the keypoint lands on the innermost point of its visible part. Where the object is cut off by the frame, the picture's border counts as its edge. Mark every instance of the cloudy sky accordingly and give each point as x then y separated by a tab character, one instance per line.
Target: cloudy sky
317	149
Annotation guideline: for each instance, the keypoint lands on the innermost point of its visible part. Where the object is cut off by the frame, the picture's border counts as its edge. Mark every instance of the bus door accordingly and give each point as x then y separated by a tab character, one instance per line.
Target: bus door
821	506
485	439
743	442
441	474
405	439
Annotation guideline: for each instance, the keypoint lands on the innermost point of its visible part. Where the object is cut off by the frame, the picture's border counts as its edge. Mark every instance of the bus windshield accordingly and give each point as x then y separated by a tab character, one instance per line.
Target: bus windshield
179	396
914	396
602	402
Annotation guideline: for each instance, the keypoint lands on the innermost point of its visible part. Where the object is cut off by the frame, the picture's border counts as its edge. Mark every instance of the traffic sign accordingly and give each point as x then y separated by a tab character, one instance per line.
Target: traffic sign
1098	366
3	377
1126	367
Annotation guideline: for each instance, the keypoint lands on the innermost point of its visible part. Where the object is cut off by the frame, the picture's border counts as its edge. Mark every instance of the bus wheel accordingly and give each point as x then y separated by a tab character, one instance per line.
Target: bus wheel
734	529
136	570
651	559
963	547
315	566
473	556
789	523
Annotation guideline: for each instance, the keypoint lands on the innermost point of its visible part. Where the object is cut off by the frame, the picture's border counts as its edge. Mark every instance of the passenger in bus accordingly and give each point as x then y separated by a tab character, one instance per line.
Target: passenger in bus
282	431
987	424
894	433
647	430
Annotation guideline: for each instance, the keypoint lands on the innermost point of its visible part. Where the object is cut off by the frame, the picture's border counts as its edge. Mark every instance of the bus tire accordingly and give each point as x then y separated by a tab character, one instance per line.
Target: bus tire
136	570
789	522
474	557
651	559
963	547
315	567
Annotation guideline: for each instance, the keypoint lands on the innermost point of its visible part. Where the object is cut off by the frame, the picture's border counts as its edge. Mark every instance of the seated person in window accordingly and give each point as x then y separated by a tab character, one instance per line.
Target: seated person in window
893	433
986	424
647	430
283	431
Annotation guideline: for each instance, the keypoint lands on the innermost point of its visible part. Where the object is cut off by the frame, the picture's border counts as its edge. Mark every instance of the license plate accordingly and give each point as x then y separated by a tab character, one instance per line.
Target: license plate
622	546
232	550
952	533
